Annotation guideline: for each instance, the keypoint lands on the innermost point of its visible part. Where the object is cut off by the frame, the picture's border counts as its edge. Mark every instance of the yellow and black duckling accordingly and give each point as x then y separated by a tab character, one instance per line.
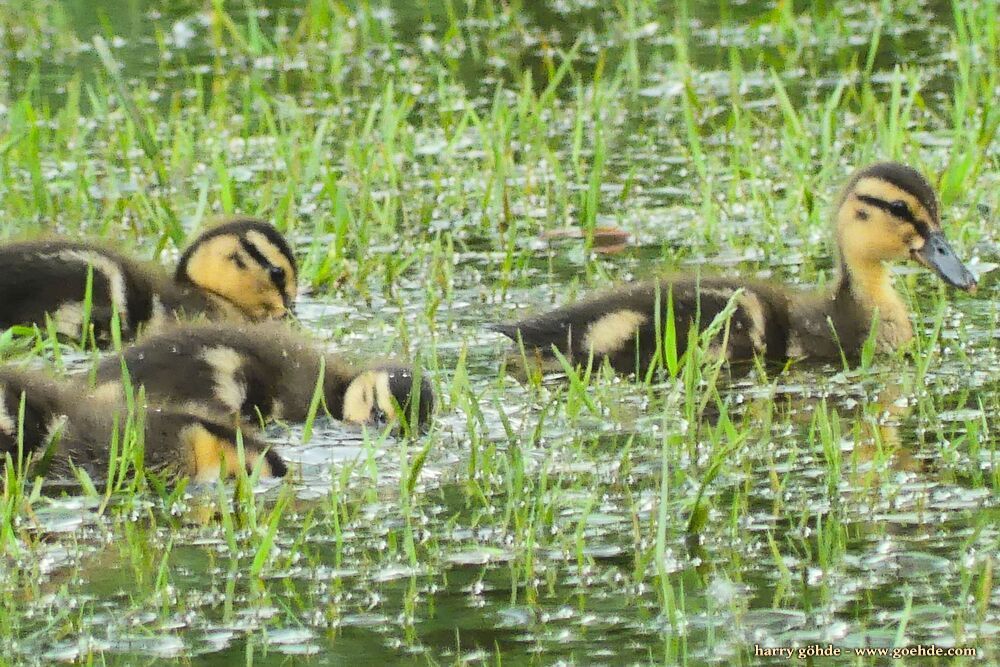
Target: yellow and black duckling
887	212
263	371
58	429
242	269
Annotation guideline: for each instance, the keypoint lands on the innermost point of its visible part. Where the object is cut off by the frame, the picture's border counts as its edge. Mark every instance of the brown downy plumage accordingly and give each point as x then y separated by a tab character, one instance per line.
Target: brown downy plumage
887	212
55	430
263	371
242	269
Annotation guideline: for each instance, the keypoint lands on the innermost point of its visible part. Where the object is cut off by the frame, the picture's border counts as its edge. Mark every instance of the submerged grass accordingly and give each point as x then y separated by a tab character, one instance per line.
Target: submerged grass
416	153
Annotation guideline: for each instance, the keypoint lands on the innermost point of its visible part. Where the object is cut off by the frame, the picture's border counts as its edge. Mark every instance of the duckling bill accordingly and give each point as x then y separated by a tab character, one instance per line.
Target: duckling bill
887	212
55	431
260	372
242	269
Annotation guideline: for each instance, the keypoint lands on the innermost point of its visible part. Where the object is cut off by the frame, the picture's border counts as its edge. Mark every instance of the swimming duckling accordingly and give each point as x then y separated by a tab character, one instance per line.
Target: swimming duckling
262	371
887	212
80	433
242	269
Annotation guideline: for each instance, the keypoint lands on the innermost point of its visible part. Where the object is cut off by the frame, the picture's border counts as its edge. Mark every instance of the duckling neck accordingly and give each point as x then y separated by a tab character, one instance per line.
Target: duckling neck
191	300
866	289
224	308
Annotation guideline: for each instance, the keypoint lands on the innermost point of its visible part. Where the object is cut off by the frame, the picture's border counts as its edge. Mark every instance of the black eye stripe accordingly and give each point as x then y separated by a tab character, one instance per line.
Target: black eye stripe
250	249
899	212
277	276
892	208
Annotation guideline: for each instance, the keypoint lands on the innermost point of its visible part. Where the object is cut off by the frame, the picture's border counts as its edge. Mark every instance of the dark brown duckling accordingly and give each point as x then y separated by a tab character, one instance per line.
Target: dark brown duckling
59	431
242	269
263	371
887	212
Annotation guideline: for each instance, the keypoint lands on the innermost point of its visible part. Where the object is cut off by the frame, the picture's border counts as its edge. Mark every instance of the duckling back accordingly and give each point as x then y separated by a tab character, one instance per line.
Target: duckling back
262	371
59	432
50	278
252	371
627	327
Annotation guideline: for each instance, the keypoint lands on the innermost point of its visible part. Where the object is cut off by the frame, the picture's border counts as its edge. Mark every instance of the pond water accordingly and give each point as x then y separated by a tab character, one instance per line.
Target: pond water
404	152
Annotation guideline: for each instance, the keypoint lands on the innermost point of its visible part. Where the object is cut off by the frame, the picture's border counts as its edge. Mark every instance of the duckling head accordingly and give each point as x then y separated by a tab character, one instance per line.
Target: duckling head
377	396
889	212
245	262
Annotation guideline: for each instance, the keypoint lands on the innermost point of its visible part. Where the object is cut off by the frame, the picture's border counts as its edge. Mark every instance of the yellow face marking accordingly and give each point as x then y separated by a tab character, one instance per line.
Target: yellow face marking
868	234
366	392
225	363
213	457
609	333
222	267
278	259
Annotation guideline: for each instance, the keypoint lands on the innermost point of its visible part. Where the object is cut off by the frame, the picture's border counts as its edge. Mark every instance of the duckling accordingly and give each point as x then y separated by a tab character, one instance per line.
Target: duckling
259	372
242	269
886	212
79	434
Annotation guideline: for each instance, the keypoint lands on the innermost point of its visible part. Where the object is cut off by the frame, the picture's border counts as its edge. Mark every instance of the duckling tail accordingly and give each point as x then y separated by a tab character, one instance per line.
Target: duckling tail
275	463
536	333
508	330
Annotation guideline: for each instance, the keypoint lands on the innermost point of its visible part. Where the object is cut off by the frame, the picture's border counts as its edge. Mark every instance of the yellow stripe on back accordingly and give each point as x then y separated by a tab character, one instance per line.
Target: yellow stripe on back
611	332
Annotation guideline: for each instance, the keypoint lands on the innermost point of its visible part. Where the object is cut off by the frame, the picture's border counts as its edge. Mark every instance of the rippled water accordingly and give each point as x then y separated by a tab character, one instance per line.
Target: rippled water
853	508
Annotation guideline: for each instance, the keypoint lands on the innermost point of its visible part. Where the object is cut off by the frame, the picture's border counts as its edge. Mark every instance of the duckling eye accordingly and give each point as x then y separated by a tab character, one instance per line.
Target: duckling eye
238	261
277	274
899	209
